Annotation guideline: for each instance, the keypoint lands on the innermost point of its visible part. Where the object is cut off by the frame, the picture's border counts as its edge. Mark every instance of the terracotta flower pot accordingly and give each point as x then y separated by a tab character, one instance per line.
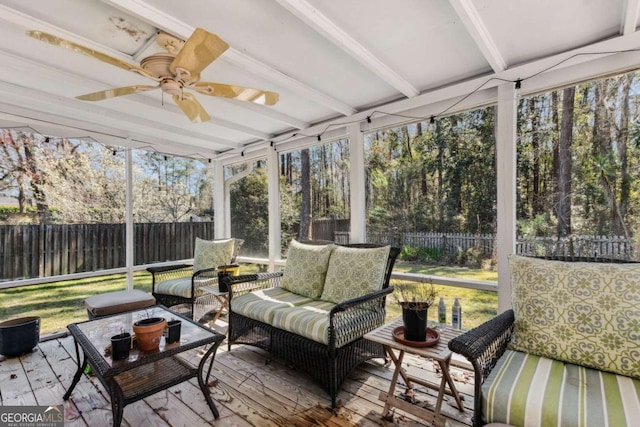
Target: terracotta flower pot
149	332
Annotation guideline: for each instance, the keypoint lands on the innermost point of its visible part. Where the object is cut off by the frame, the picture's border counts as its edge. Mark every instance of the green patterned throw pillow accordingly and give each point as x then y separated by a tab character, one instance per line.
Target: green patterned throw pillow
212	253
354	272
583	313
306	268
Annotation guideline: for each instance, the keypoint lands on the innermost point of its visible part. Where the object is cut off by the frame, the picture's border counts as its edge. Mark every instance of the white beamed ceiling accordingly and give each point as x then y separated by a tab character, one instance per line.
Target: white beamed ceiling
330	61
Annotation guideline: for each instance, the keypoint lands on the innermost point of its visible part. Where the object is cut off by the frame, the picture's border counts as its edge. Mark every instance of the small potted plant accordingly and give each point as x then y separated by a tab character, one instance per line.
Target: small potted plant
149	332
415	300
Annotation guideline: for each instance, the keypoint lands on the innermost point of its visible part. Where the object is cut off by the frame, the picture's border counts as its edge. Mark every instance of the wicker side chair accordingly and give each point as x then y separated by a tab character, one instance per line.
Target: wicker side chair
328	364
179	284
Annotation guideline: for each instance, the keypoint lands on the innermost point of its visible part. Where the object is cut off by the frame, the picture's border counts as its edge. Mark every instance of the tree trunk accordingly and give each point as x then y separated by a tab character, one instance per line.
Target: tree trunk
625	183
555	172
305	193
535	148
423	170
565	164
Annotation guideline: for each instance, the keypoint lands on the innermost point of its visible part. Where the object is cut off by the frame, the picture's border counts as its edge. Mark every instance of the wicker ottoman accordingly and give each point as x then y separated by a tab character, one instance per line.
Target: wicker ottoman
117	302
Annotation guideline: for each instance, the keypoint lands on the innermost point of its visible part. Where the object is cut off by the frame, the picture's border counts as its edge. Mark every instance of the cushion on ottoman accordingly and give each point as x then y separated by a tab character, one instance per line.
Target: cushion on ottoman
118	302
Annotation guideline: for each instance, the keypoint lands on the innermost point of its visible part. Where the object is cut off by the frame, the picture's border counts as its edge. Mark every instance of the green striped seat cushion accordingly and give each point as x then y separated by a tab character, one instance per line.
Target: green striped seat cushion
260	305
182	286
528	390
312	321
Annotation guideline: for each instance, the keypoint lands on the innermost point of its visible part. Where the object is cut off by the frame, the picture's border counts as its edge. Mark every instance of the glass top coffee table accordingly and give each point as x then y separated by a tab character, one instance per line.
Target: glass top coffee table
143	373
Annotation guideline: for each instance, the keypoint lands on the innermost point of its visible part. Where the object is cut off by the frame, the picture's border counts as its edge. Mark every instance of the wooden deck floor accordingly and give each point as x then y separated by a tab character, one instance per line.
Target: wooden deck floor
250	390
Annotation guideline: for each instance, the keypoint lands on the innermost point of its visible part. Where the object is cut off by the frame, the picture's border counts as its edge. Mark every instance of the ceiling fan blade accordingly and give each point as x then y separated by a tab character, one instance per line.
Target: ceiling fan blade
112	93
236	92
57	41
198	52
191	107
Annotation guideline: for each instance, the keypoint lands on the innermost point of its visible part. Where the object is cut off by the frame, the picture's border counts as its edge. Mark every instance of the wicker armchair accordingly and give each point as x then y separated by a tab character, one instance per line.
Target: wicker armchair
328	364
179	284
483	346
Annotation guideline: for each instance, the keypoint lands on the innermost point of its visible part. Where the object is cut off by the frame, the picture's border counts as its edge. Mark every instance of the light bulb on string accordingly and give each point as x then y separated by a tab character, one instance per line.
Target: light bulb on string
516	91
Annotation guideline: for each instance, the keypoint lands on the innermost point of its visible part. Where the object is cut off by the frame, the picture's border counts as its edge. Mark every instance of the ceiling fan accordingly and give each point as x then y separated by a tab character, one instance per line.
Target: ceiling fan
175	70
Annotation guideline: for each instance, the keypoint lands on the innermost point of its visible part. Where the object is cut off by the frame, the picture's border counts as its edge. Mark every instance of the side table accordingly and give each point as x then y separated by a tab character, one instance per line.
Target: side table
439	352
221	297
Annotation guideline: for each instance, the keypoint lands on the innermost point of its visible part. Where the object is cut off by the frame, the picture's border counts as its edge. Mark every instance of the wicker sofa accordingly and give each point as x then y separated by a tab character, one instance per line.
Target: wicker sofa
567	354
314	314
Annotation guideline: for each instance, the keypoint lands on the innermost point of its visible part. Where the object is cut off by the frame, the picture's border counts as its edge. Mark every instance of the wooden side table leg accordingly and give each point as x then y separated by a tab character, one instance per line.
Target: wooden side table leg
393	357
224	303
446	379
394	380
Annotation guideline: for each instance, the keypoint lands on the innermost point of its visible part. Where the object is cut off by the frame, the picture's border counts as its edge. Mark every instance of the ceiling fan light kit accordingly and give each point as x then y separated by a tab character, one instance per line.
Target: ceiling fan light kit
175	70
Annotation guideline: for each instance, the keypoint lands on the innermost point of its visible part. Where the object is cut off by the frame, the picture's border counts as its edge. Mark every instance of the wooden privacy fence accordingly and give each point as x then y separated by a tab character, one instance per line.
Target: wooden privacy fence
325	229
28	251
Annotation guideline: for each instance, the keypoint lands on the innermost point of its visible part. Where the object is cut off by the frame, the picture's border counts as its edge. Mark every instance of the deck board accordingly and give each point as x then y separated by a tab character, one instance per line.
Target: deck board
250	390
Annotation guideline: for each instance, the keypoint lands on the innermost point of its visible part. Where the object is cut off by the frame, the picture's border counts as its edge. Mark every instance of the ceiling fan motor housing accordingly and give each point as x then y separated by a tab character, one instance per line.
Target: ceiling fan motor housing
158	64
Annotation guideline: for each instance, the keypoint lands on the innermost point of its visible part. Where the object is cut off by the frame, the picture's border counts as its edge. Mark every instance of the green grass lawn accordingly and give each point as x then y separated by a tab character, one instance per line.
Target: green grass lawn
61	303
477	306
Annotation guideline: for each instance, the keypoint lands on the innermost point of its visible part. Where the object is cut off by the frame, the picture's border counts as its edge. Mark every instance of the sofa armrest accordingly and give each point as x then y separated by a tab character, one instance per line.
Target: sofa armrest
486	343
245	283
373	296
483	346
353	318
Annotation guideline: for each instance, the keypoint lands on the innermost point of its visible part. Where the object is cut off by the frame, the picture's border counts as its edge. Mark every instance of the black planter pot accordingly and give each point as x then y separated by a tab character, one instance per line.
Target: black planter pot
19	336
415	324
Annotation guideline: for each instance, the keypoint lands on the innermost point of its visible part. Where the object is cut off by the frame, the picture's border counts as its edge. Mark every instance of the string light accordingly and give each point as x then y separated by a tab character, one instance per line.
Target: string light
517	86
517	83
432	123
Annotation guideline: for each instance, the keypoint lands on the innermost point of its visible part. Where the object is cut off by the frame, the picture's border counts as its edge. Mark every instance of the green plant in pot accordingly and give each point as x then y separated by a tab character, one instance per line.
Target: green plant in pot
415	300
149	332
